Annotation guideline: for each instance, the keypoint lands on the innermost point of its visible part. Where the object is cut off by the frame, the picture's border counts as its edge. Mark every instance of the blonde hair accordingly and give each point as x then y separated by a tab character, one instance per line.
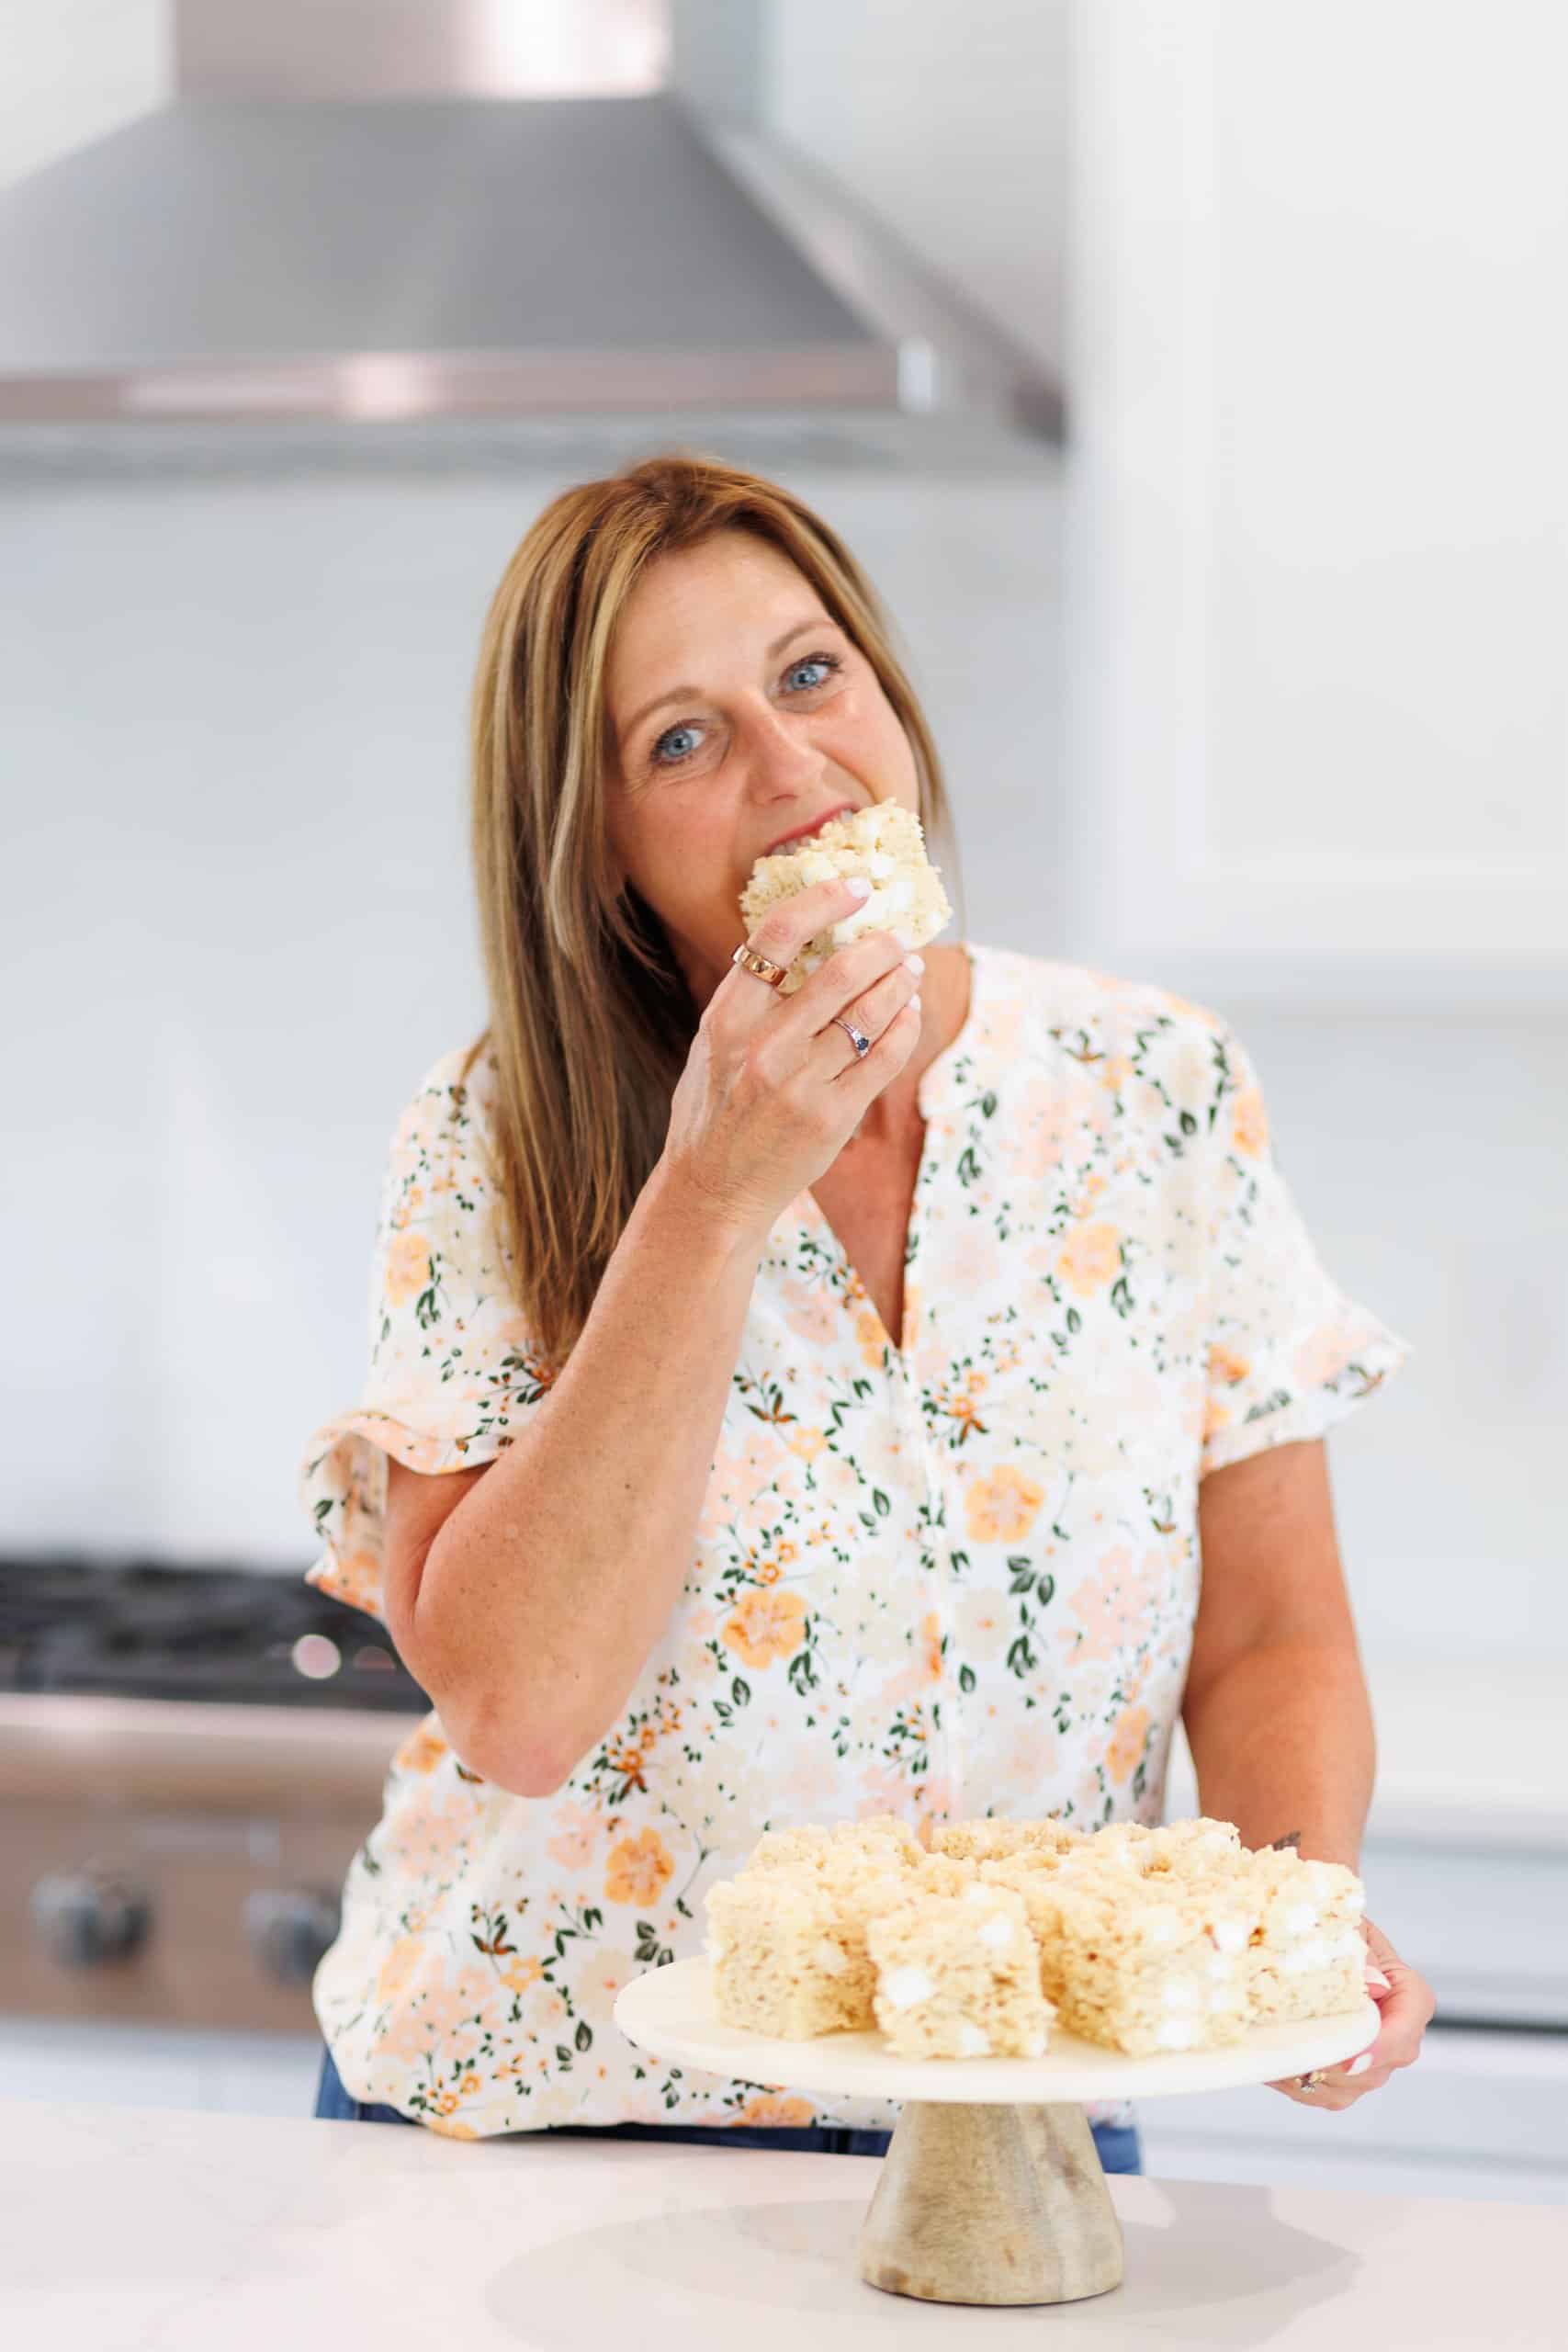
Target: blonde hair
591	1020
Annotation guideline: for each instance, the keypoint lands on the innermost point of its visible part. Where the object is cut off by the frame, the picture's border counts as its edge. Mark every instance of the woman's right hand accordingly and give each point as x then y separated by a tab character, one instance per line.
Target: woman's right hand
772	1088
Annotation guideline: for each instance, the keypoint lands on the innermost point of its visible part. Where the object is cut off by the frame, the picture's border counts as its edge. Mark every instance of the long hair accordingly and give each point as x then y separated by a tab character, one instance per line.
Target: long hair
591	1020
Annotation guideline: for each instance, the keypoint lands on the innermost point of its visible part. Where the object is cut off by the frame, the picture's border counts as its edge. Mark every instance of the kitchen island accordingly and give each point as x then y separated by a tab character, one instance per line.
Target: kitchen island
174	2230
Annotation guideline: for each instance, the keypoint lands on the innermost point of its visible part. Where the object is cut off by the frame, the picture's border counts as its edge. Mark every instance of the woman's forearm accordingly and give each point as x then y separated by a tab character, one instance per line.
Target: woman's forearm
1283	1739
550	1584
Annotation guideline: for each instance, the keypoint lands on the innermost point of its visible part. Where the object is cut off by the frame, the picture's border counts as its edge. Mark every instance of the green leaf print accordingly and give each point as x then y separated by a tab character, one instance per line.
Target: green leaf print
741	1691
1022	1659
880	1502
584	2037
966	1678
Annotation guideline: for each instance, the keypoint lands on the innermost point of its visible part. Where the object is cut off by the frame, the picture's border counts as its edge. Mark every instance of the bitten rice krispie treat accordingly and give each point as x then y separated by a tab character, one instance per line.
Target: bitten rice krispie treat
885	843
1155	1962
1310	1957
788	1947
957	1977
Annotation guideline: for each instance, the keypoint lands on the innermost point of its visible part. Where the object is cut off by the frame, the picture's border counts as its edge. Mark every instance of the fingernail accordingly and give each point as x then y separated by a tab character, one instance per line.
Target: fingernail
1359	2066
1376	1976
915	1001
858	887
915	963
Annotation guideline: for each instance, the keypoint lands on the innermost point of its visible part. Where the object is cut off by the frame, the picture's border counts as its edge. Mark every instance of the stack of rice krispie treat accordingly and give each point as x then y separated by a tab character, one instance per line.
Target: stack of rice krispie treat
1143	1940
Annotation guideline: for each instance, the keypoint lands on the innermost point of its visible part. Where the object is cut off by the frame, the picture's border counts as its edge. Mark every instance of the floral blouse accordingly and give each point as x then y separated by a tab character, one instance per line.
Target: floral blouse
952	1576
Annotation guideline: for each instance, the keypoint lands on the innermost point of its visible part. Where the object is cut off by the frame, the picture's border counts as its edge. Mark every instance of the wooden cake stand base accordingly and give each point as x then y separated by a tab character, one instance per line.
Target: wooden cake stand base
992	2205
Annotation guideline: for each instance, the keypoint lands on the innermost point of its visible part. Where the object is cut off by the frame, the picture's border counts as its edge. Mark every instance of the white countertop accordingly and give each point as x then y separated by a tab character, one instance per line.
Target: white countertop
164	2229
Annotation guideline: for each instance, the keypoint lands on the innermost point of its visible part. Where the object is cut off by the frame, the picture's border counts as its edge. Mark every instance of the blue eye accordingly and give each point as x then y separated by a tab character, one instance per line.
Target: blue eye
828	661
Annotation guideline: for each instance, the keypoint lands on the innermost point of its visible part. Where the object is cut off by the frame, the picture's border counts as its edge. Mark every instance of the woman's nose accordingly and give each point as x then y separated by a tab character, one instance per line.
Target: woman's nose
784	745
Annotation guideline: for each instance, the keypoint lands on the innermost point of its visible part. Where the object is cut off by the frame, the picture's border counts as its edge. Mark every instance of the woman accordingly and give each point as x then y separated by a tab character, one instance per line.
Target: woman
759	1430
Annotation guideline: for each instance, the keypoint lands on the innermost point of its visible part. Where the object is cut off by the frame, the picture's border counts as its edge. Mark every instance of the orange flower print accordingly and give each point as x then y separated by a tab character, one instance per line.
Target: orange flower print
807	1443
1090	1257
1127	1743
775	2112
765	1626
1002	1507
1249	1121
356	1579
636	1870
1226	1365
408	1267
578	1829
421	1751
520	1974
869	1332
1321	1356
930	1642
397	1968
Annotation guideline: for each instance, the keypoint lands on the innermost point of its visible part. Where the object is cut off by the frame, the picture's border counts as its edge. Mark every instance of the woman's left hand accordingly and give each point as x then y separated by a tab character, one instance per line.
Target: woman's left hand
1405	2003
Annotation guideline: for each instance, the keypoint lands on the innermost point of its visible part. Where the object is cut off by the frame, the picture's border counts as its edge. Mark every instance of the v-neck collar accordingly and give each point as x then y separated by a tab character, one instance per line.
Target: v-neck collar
934	1080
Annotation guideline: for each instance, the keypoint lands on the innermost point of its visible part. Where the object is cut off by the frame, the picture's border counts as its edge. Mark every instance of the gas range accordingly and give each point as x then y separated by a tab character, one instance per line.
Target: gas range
189	1758
138	1628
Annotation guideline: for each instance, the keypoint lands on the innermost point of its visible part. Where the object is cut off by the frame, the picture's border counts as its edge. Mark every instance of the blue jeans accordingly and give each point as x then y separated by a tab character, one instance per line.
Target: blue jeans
1119	2147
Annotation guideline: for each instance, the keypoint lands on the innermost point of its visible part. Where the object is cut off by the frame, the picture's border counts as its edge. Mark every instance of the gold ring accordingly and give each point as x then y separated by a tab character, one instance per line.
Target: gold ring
1314	2081
750	961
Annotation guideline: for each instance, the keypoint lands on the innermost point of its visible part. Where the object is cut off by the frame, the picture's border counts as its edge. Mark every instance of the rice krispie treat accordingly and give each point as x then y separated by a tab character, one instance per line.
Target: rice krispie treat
1199	1844
988	1839
882	1839
1152	1963
1039	1875
885	843
1309	1959
957	1977
788	1948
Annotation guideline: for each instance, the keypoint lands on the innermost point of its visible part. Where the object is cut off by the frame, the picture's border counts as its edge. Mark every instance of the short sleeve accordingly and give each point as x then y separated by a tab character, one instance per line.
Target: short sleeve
451	1371
1289	1354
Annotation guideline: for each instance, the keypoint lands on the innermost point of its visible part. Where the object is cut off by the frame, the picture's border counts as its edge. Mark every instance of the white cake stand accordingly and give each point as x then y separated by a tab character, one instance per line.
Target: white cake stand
992	2190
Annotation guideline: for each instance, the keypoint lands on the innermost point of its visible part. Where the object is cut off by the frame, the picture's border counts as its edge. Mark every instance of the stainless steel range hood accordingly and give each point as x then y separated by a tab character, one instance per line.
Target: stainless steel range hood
573	266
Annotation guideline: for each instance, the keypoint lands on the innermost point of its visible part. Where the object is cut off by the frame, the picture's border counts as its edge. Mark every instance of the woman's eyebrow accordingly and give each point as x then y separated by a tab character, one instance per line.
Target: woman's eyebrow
677	694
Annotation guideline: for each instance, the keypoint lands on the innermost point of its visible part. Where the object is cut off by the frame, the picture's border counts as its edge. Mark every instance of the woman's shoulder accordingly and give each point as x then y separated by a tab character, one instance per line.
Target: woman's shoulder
443	1126
1061	998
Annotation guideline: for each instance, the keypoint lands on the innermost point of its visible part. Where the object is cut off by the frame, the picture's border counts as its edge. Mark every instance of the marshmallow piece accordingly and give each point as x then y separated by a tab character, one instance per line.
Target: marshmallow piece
903	1987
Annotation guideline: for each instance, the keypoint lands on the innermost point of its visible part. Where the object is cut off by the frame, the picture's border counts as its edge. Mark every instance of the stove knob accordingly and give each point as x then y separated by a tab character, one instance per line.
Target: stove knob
288	1929
85	1918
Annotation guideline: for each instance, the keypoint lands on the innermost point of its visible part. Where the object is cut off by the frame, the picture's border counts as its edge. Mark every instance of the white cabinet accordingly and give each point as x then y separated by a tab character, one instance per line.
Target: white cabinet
1478	2115
135	2066
1318	549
